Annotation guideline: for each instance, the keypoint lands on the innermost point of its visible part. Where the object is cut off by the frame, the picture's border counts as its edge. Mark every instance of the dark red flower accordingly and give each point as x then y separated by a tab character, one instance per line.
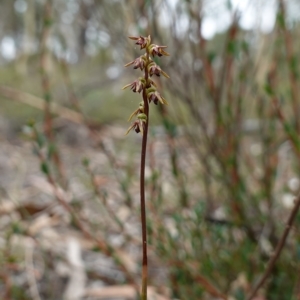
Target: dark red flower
158	50
153	68
141	41
138	63
138	125
137	85
155	96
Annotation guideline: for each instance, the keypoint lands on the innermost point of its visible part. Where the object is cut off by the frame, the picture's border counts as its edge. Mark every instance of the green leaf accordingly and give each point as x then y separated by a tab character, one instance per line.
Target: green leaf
268	89
85	161
40	139
51	150
45	168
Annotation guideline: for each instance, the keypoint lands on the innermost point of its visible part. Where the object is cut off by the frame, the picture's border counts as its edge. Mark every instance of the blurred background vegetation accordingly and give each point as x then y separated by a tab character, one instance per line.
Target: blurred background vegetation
223	159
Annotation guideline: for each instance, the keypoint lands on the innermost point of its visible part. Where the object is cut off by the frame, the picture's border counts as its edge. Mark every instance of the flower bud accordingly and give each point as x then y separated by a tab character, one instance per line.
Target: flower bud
142	117
137	111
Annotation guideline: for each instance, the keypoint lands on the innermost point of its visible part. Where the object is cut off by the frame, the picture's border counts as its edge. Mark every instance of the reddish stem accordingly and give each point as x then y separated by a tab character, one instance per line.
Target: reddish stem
142	189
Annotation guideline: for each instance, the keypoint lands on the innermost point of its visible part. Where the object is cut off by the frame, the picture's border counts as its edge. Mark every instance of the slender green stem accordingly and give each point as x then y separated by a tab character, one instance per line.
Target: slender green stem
142	192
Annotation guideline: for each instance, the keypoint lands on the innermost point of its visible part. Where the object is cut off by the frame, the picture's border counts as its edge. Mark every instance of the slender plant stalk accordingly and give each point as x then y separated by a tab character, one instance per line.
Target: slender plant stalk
143	213
142	192
150	94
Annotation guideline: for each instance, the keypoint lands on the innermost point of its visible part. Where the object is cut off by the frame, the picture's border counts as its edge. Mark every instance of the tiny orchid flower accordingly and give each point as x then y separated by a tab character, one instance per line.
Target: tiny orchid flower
139	124
153	68
158	50
145	84
137	85
138	63
141	41
155	96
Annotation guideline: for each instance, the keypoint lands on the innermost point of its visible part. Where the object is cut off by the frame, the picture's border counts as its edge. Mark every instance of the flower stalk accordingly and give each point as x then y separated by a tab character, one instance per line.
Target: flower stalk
147	87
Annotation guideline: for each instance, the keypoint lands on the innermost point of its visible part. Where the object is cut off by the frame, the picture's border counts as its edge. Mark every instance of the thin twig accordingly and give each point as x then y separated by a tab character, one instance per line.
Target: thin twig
39	103
278	249
46	87
209	287
44	56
